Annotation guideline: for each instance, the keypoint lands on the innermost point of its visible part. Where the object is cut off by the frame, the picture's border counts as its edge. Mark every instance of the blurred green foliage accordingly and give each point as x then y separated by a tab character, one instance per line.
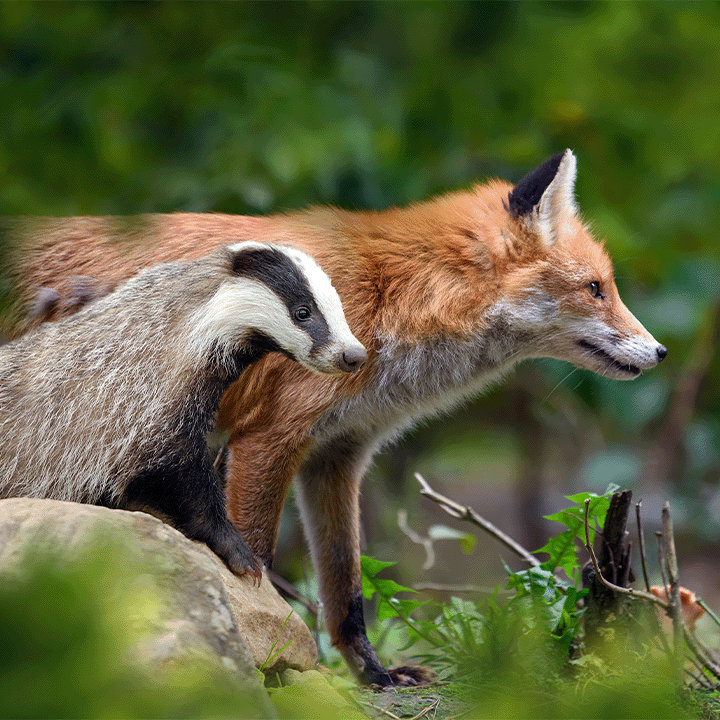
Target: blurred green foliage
69	631
522	651
119	107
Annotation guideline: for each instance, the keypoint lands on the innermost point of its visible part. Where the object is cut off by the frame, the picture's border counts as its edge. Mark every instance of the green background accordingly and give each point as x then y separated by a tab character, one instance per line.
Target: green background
260	107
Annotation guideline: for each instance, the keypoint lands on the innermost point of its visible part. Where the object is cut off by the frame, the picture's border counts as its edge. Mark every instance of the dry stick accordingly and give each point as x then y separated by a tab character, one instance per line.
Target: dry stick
701	680
705	658
611	586
643	560
673	573
702	604
661	563
462	512
641	539
289	589
702	653
423	713
360	702
427	543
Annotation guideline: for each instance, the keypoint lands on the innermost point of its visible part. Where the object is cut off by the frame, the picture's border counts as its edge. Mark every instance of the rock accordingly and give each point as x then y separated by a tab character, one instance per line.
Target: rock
310	694
260	613
204	610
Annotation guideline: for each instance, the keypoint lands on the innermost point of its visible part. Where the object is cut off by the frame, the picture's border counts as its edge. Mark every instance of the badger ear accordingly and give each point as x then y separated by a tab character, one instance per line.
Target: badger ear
240	261
543	196
243	257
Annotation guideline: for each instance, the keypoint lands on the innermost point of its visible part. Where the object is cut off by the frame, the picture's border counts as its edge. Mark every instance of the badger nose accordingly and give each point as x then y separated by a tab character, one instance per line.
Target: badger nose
352	360
661	352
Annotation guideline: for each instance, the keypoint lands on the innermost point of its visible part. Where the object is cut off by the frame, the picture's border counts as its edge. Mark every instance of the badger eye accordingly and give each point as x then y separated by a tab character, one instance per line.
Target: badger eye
302	313
594	288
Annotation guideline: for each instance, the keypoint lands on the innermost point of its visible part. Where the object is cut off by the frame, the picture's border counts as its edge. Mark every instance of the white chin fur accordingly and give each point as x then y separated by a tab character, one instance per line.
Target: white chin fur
623	360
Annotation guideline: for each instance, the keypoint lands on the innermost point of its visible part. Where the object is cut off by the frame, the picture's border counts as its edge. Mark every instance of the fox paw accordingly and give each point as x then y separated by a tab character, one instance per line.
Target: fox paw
411	675
402	676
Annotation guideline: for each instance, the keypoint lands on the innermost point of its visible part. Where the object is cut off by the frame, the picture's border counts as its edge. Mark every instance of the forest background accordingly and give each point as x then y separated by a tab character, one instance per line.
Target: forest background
122	108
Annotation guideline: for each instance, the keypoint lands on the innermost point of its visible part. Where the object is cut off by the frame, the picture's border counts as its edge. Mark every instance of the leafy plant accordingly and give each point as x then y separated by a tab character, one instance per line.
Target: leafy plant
528	646
562	548
458	634
272	653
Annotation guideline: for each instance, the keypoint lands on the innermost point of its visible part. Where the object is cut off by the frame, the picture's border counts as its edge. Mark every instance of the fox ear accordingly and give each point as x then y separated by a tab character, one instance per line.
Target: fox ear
544	195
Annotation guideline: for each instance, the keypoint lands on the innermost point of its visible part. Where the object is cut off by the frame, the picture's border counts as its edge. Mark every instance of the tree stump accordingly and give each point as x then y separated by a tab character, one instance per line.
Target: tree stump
606	617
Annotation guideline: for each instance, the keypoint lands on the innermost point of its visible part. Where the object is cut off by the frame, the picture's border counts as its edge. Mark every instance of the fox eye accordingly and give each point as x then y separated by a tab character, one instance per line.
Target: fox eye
594	288
302	313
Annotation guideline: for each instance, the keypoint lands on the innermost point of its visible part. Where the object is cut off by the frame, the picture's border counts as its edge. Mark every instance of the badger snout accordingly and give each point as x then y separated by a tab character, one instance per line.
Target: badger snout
352	359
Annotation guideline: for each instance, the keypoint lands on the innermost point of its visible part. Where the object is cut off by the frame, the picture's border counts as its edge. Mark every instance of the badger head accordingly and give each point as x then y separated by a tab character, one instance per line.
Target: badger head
277	298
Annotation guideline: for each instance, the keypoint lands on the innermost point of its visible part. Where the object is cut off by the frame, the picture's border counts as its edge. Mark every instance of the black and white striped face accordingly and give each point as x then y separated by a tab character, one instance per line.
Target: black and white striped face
279	297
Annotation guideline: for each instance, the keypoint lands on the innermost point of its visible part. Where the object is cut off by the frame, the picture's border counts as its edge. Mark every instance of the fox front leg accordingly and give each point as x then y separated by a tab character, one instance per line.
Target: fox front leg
328	496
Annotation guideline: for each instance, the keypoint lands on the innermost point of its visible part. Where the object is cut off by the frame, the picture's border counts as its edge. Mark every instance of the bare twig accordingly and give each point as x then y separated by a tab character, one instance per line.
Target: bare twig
655	621
425	711
427	543
702	604
661	562
703	655
641	539
673	576
365	704
700	679
291	591
611	586
462	512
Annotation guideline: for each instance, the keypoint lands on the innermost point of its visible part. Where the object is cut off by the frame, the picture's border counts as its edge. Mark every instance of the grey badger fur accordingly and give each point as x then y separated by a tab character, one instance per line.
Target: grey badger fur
112	406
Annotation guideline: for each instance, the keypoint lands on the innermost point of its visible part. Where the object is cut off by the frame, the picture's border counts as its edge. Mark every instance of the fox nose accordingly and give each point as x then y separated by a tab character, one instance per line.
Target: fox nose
352	360
661	352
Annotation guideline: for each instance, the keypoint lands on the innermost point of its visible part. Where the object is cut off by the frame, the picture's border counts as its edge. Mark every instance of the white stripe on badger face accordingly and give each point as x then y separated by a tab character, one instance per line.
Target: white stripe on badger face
243	304
328	302
240	306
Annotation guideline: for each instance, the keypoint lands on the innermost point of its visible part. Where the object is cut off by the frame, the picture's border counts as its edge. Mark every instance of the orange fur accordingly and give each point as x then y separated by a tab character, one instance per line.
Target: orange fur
690	609
413	281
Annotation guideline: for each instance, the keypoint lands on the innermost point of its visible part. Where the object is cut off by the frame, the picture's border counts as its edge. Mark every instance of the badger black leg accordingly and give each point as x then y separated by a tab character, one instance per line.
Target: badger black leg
191	497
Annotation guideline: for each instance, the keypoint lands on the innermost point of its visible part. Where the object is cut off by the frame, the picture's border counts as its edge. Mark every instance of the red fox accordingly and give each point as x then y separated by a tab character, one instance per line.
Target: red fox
446	295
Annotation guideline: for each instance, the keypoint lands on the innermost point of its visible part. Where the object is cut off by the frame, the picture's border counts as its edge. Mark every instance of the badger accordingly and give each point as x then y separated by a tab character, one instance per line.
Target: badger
112	406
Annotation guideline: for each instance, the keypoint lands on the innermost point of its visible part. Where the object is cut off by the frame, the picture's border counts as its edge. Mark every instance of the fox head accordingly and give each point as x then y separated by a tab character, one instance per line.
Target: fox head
559	287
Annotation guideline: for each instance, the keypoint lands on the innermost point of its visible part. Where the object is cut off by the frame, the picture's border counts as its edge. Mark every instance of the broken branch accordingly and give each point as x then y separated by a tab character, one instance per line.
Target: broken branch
462	512
611	586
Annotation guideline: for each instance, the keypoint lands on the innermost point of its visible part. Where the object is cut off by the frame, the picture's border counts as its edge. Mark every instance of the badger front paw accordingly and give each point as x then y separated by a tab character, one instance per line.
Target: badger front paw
242	562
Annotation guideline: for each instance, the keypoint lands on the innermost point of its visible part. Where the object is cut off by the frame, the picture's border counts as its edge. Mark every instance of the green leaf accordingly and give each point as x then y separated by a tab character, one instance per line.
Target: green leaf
536	581
443	532
562	551
372	584
371	566
467	543
397	608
